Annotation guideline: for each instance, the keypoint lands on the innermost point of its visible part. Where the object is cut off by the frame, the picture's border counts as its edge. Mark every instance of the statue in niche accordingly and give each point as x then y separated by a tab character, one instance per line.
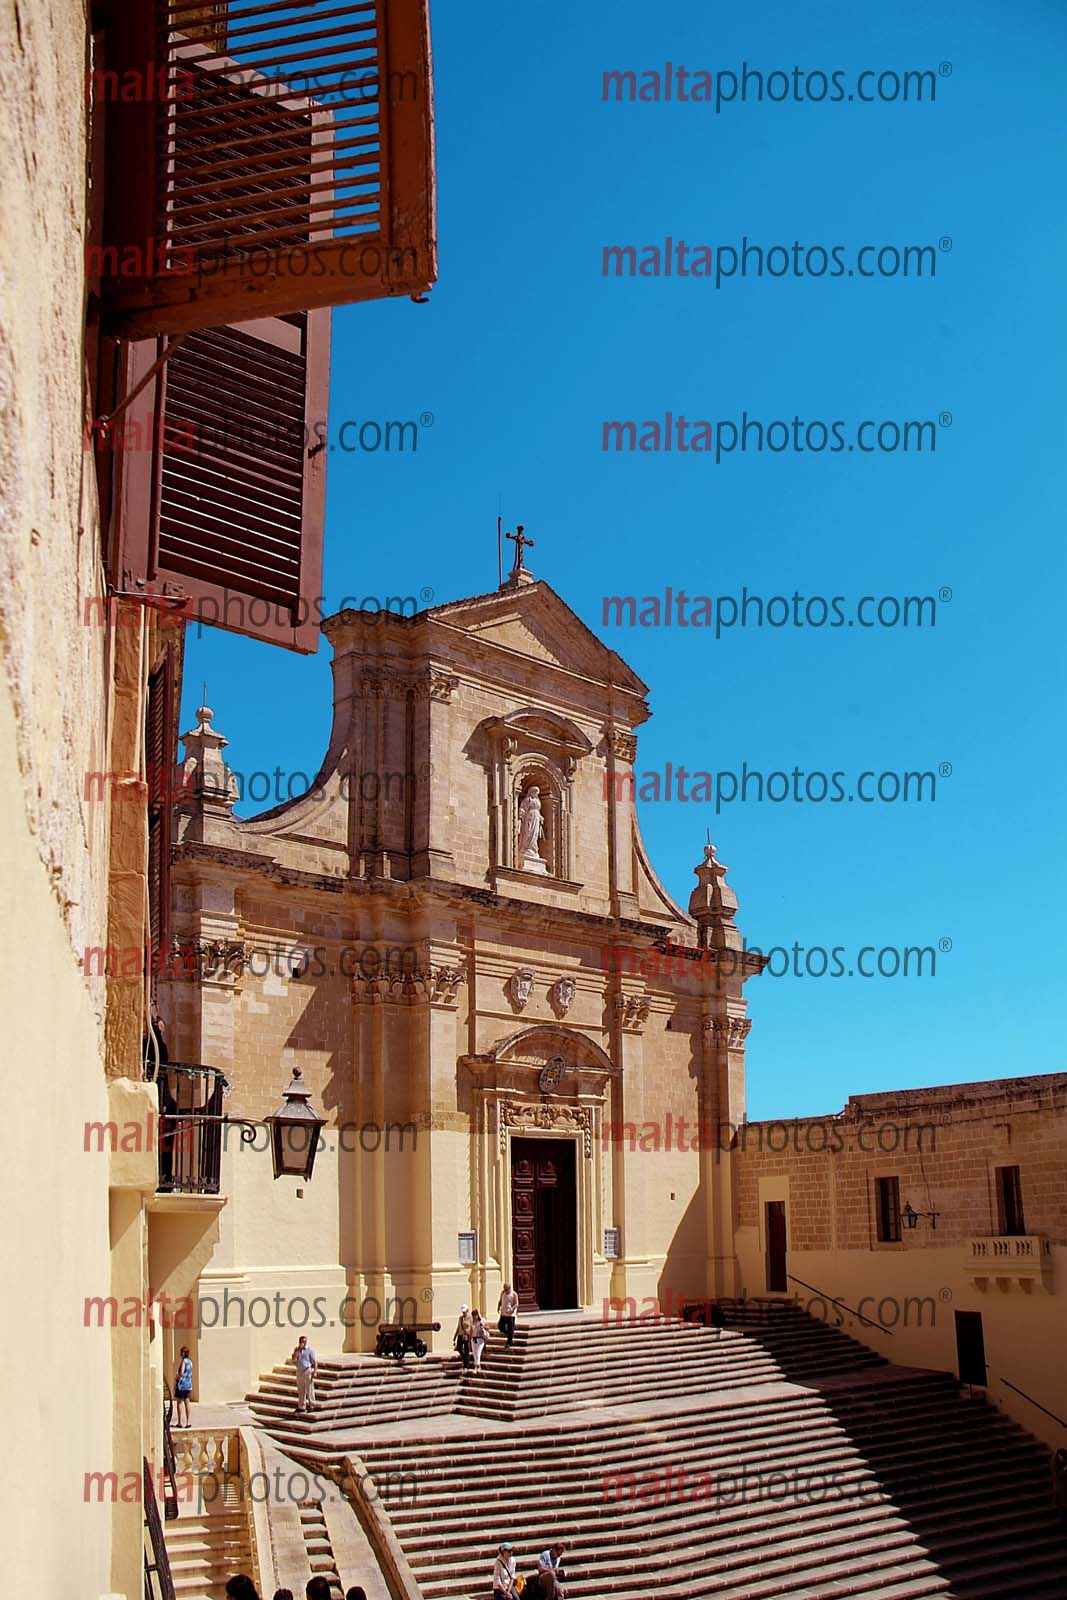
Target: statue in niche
531	831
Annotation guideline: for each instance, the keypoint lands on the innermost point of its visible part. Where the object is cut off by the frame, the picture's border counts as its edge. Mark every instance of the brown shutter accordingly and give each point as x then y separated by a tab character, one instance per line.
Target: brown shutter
222	479
161	752
279	158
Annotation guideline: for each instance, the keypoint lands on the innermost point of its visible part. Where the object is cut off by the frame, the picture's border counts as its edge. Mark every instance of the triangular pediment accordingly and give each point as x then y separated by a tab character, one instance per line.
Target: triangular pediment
535	622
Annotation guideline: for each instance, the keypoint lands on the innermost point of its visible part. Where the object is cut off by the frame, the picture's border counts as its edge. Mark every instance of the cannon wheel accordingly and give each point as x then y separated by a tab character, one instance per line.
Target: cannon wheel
420	1348
397	1351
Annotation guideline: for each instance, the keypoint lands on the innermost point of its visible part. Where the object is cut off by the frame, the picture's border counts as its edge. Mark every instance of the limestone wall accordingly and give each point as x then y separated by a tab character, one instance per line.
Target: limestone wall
54	1247
945	1146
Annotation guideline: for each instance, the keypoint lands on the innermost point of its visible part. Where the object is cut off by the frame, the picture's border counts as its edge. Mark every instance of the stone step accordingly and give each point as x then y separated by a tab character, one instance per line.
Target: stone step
670	1523
774	1392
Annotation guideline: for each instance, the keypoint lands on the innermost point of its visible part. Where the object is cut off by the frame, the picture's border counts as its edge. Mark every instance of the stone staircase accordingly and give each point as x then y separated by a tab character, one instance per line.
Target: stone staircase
562	1363
318	1546
358	1390
579	1362
206	1547
778	1457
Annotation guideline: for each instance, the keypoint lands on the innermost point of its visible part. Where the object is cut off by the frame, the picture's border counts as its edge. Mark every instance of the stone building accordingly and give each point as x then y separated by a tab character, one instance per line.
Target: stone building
931	1223
530	1059
449	936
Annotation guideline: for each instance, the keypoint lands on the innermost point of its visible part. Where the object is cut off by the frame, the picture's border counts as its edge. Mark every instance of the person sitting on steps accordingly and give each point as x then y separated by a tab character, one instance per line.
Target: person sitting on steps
550	1569
504	1573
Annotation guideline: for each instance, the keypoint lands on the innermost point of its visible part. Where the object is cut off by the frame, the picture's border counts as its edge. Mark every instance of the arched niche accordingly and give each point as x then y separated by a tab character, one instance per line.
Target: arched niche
534	747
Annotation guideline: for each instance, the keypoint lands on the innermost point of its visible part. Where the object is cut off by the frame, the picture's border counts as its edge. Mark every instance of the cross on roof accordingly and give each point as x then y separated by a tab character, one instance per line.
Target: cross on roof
520	541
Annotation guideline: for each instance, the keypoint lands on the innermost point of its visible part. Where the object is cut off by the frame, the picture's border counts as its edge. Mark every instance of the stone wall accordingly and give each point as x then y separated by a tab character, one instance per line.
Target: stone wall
53	859
944	1145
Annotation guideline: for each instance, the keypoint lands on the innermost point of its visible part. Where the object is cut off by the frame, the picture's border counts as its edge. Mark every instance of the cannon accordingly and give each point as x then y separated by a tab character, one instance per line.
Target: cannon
397	1338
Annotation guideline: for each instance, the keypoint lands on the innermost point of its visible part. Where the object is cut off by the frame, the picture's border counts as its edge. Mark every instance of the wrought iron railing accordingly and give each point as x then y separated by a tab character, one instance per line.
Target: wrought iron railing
170	1485
1059	1420
190	1128
158	1583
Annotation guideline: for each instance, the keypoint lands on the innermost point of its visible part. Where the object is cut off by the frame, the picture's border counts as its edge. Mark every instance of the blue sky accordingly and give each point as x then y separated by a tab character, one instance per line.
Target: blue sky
525	349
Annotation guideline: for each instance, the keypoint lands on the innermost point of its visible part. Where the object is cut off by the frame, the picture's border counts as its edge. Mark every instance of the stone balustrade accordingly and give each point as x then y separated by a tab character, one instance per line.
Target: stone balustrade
1007	1259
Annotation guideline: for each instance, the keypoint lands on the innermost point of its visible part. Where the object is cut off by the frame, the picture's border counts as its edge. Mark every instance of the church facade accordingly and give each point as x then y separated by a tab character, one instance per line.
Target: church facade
524	1050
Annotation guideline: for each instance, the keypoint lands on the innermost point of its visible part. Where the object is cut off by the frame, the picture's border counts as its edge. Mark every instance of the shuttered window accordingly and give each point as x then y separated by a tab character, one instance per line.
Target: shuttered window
887	1209
222	477
279	157
1010	1219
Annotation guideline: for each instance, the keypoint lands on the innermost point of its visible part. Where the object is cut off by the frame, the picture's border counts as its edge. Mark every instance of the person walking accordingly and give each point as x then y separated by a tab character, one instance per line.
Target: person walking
306	1367
462	1337
504	1573
507	1306
183	1387
1059	1486
479	1338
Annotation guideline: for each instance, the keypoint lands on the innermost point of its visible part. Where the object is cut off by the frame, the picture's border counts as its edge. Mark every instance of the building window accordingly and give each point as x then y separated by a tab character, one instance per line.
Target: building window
1010	1218
468	1249
887	1202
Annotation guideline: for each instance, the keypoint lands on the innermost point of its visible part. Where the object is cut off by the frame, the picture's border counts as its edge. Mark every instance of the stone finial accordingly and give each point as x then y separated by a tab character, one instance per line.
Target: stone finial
206	779
713	904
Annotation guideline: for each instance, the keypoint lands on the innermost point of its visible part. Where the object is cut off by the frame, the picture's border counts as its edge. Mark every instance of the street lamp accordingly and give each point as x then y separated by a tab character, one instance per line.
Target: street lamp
911	1216
294	1132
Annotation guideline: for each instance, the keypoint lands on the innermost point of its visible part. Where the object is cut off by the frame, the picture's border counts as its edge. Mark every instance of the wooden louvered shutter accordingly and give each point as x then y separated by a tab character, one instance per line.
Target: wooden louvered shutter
222	481
161	749
279	159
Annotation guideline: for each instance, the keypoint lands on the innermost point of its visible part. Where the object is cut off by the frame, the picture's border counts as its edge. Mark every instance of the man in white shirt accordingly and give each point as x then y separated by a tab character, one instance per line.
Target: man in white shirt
504	1573
306	1366
507	1306
551	1561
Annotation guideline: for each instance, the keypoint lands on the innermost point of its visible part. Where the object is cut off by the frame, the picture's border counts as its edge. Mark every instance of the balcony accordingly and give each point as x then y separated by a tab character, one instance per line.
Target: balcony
1005	1260
190	1148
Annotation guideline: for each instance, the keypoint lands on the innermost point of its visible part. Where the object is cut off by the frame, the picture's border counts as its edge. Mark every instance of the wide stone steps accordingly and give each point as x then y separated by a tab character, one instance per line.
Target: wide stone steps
644	1499
554	1488
371	1389
896	1487
564	1366
589	1362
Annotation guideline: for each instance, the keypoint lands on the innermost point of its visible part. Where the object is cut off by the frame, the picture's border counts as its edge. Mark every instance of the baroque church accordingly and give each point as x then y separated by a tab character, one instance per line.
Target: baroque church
458	937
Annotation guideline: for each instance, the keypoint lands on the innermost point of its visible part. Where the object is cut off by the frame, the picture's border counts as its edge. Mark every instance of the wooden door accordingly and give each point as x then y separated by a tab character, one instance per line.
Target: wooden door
970	1347
777	1278
544	1226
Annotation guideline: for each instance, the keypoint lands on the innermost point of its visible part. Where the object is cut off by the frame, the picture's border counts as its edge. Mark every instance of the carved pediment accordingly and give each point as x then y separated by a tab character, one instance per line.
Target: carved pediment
522	1062
536	623
539	729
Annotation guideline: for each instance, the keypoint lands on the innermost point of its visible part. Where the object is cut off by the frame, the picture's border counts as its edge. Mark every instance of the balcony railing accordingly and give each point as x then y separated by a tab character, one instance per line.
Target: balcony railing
1026	1258
190	1143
